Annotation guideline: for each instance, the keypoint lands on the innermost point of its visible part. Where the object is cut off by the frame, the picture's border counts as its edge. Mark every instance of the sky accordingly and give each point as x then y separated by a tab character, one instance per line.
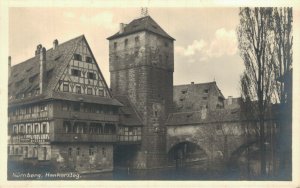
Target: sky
205	48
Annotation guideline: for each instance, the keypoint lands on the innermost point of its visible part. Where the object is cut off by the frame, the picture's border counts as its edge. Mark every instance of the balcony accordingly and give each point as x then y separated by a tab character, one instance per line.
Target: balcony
82	137
86	115
132	139
28	117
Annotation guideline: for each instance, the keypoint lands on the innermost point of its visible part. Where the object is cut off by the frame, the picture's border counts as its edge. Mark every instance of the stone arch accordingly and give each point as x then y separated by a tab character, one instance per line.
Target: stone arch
186	153
172	141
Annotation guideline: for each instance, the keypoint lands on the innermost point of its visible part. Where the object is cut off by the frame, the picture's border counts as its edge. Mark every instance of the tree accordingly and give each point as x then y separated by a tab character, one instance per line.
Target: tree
255	36
283	19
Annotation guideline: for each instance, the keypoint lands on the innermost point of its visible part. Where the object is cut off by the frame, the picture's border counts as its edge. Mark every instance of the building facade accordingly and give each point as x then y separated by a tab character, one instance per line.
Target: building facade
61	110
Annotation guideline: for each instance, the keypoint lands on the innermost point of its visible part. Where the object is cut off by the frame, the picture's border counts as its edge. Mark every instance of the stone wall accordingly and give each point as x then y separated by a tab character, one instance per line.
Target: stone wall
83	157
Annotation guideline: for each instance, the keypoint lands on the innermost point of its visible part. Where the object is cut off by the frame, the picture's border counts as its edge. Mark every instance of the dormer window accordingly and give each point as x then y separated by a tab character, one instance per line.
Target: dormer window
77	57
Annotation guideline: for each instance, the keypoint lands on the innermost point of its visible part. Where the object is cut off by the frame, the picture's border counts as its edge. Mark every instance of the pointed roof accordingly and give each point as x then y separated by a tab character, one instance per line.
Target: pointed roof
24	76
142	24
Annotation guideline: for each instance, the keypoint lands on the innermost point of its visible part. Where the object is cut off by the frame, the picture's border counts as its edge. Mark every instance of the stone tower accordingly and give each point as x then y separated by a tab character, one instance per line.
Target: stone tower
141	63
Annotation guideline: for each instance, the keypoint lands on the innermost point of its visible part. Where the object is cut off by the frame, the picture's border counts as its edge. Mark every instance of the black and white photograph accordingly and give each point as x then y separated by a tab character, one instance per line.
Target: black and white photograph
146	92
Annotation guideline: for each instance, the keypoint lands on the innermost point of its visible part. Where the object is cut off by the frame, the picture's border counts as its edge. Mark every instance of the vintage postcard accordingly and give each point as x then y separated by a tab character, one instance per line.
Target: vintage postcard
150	93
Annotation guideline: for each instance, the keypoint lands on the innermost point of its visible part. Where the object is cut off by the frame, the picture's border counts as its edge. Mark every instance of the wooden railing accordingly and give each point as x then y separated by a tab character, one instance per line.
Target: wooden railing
82	137
24	117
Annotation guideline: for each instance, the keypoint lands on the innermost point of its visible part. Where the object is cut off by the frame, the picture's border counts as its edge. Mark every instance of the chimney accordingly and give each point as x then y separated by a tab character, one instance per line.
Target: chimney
192	83
122	26
9	65
55	44
42	69
38	49
229	100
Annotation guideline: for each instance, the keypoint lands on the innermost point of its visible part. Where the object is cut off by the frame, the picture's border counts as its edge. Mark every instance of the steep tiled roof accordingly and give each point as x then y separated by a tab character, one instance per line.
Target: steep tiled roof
190	97
25	77
128	115
194	117
142	24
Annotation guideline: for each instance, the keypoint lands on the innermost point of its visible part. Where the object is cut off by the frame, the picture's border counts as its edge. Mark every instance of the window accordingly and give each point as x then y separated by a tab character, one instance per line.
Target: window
103	152
137	39
75	72
76	107
77	57
36	128
15	129
66	87
206	91
21	129
219	127
37	91
204	98
89	91
101	92
91	75
160	59
28	110
78	151
91	150
26	151
166	44
115	45
65	106
29	129
35	154
70	152
43	108
88	59
78	89
67	126
44	126
126	42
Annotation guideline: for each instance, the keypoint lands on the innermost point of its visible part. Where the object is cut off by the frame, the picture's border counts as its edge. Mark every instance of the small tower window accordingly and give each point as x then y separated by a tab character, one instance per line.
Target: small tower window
115	45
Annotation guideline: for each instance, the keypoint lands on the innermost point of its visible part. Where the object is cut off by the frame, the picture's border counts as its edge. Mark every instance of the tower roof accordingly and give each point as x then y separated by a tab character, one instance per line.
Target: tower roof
142	24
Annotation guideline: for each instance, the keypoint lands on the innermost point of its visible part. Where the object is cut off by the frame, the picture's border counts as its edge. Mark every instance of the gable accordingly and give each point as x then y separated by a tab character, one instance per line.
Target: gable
82	74
24	80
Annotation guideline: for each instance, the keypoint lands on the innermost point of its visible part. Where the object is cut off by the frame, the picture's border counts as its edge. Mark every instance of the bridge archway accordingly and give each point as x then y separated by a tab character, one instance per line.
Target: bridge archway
245	160
186	153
